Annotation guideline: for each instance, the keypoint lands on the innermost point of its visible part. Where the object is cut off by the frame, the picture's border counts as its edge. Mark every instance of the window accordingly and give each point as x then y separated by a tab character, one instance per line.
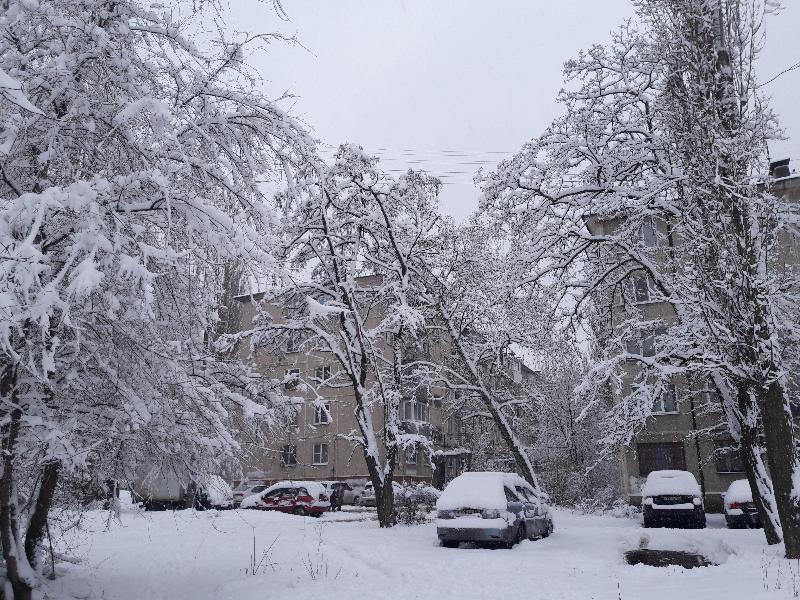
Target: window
511	496
727	457
322	413
411	455
294	415
414	410
289	455
667	402
293	340
320	454
292	379
649	233
526	494
645	345
656	457
322	374
639	287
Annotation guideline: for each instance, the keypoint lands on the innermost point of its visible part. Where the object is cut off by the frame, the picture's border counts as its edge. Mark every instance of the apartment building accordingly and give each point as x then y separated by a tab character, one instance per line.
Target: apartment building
687	431
314	445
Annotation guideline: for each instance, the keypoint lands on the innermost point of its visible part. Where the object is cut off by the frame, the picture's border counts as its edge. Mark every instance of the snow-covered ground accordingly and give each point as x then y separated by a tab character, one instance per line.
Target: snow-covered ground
210	555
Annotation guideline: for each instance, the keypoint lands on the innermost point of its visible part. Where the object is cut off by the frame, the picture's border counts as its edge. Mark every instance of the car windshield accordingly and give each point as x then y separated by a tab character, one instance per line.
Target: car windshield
242	487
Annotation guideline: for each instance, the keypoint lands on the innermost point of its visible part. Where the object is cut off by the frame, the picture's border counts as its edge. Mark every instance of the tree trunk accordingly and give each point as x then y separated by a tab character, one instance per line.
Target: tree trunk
760	484
44	500
384	502
783	461
18	570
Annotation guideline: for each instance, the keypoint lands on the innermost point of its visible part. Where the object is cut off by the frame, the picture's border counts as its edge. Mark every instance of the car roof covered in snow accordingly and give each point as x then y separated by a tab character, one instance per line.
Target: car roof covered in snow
315	488
739	491
660	483
480	490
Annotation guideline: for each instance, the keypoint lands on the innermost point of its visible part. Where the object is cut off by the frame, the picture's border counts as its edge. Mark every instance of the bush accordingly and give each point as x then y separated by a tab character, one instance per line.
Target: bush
415	503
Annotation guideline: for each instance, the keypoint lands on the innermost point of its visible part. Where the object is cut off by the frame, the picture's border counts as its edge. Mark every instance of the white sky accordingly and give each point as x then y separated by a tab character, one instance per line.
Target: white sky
451	85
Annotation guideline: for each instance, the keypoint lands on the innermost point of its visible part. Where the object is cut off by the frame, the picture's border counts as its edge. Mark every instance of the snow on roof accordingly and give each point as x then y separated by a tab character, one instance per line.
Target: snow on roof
739	491
660	483
478	489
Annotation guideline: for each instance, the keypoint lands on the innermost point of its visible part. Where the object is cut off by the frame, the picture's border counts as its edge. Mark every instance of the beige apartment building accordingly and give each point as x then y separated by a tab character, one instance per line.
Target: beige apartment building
314	445
687	431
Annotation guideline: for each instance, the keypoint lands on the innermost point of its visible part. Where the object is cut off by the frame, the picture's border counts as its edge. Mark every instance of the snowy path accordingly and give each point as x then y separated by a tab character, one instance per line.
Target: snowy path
208	555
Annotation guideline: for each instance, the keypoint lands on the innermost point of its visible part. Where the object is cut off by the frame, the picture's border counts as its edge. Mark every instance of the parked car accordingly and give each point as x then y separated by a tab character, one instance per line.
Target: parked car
494	508
368	494
738	506
672	499
246	488
351	494
296	497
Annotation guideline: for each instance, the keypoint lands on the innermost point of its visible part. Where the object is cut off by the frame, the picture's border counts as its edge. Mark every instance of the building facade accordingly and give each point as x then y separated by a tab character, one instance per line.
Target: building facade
687	430
314	445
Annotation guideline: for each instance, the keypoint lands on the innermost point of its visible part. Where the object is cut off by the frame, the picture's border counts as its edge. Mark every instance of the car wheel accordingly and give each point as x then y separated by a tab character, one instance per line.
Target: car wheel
300	511
522	534
549	528
449	543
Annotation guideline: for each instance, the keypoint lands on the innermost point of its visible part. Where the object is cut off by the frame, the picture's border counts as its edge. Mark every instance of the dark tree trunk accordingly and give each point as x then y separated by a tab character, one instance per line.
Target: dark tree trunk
783	460
756	476
385	504
18	571
44	500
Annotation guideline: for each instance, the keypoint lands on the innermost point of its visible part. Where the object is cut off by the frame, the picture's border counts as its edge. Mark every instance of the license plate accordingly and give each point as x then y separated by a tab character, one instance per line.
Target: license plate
671	499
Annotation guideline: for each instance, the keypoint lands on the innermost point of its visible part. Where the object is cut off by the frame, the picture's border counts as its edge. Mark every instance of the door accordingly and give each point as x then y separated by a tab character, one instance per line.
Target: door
535	511
517	506
270	500
287	500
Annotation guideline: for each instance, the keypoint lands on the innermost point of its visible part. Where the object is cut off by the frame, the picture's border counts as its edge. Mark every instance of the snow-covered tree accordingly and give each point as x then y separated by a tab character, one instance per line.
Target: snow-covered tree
482	321
357	239
130	172
653	184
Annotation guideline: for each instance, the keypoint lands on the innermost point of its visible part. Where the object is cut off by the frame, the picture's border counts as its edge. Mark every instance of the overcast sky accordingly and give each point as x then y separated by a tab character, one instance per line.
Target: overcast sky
452	85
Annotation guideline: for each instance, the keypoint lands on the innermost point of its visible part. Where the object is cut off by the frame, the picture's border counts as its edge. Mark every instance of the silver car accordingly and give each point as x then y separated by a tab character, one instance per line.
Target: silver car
498	509
247	488
368	495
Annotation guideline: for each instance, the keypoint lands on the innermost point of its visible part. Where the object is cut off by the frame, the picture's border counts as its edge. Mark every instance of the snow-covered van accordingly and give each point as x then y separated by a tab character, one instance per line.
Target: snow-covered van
165	491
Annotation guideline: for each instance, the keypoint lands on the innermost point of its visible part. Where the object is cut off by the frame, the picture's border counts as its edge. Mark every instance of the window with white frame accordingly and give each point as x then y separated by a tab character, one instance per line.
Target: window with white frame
648	233
415	410
645	344
411	454
289	455
322	413
322	373
319	455
294	414
293	340
667	401
291	379
639	287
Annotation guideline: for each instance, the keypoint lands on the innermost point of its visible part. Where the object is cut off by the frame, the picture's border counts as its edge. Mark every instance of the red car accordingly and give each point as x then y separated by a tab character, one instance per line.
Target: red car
296	497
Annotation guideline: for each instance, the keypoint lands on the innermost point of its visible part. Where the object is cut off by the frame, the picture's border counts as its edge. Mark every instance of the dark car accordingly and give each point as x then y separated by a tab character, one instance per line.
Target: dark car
296	497
672	499
740	511
498	509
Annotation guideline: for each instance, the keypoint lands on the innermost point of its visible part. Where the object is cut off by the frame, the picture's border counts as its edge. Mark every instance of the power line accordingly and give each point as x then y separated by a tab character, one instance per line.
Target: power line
786	70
